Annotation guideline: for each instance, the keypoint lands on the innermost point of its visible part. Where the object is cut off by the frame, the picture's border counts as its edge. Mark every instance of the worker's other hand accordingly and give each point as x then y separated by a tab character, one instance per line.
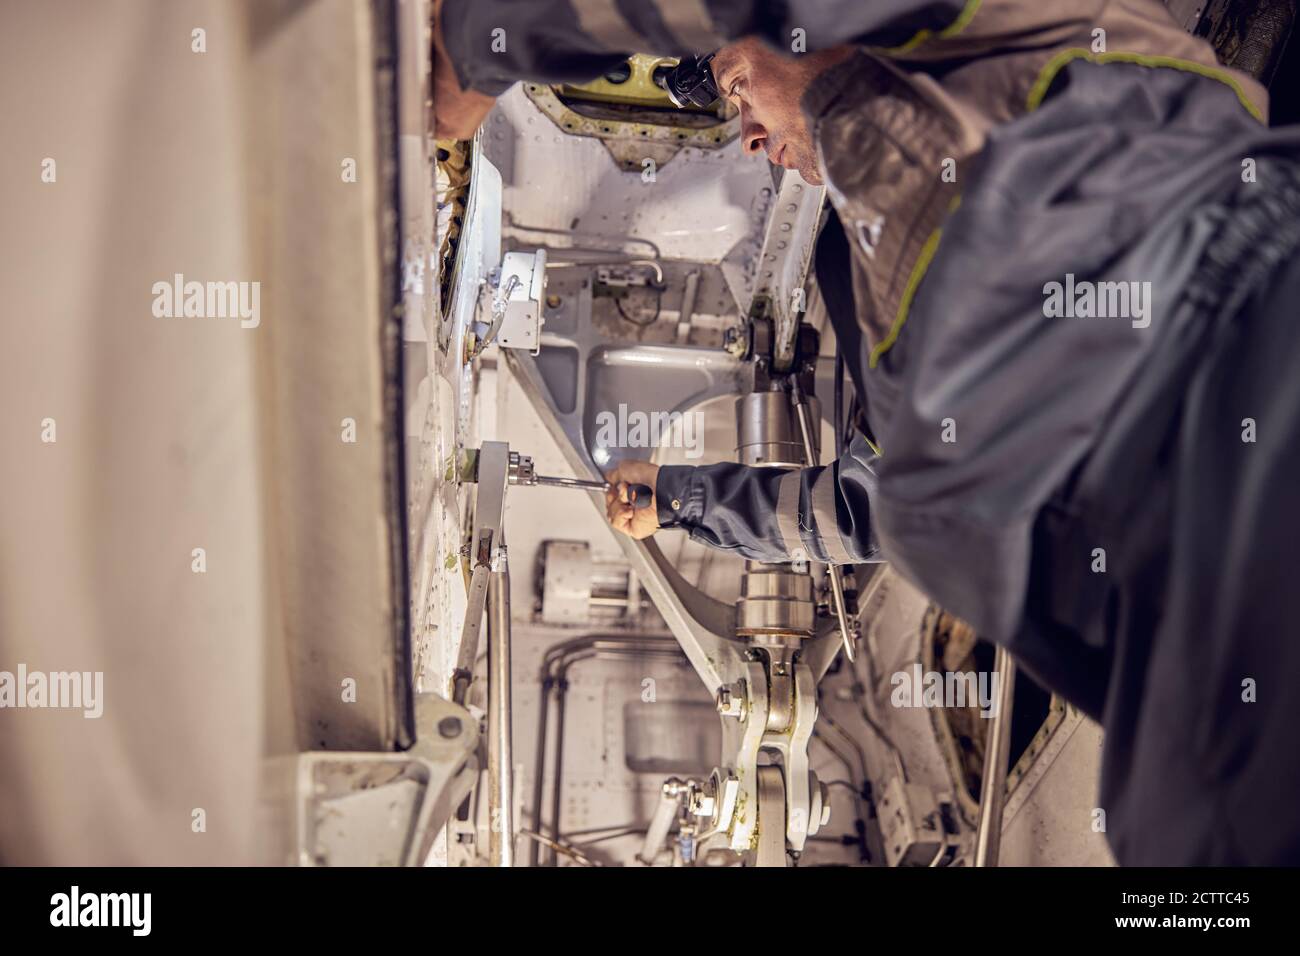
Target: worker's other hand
634	522
457	113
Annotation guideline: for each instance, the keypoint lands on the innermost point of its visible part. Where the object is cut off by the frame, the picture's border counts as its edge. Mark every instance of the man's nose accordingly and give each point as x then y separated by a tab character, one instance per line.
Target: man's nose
753	136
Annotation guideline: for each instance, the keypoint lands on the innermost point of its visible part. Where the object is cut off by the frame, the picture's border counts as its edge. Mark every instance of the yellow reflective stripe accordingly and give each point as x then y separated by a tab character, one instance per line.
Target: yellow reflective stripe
1039	90
872	445
914	280
951	30
1036	96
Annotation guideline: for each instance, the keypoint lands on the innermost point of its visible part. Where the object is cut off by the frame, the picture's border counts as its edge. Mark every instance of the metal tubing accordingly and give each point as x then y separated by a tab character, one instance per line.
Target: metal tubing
555	666
501	840
539	769
832	570
997	754
561	686
571	483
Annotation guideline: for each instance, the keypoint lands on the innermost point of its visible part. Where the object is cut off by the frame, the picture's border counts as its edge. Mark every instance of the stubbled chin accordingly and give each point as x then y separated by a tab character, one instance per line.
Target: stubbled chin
811	176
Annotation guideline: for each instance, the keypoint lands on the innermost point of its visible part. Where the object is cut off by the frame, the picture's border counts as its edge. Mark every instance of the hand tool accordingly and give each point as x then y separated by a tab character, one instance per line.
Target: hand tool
640	494
521	473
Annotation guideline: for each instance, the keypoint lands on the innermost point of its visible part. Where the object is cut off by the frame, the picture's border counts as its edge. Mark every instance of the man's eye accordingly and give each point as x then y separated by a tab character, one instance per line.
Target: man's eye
735	88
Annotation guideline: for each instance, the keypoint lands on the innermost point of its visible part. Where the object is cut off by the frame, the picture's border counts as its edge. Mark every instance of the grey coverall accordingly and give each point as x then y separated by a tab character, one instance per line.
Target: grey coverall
1012	444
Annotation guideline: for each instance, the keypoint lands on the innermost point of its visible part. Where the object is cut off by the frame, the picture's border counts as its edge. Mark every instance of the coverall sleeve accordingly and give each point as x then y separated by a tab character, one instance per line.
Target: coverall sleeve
494	43
768	514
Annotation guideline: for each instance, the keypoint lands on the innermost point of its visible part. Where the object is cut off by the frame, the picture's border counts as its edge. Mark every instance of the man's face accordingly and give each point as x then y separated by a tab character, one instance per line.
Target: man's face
767	87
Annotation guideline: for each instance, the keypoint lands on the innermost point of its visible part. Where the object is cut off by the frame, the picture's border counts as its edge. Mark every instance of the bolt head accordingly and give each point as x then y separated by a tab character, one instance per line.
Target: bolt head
731	701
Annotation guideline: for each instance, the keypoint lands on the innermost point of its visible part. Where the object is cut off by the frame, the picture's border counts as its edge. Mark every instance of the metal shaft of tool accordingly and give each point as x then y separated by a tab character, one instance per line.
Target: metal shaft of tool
639	495
501	839
997	754
571	483
804	414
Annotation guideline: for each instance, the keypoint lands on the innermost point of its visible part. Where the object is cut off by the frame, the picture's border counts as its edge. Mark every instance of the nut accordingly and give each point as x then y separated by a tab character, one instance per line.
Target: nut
731	700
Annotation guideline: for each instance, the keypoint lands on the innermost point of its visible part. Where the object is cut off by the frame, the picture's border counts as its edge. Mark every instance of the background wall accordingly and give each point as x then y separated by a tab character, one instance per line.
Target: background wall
174	434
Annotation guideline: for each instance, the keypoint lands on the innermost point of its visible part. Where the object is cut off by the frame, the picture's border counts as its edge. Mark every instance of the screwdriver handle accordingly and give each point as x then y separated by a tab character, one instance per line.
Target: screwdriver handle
640	495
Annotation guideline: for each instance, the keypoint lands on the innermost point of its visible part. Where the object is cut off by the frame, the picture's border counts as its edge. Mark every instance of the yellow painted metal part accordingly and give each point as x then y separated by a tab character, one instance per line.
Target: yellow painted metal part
452	188
639	89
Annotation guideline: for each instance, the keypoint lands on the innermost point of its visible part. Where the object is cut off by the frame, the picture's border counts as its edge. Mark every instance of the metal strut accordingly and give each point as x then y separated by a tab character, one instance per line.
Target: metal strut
847	632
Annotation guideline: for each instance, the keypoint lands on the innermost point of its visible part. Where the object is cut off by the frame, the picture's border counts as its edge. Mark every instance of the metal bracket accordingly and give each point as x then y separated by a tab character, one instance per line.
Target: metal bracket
493	469
786	257
524	275
369	808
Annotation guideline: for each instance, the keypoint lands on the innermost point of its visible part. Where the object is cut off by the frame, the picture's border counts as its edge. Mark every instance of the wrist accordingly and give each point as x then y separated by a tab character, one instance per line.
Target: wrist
677	496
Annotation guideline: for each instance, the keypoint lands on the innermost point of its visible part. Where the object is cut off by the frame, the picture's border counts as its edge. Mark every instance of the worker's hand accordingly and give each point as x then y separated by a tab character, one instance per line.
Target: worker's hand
457	113
635	522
